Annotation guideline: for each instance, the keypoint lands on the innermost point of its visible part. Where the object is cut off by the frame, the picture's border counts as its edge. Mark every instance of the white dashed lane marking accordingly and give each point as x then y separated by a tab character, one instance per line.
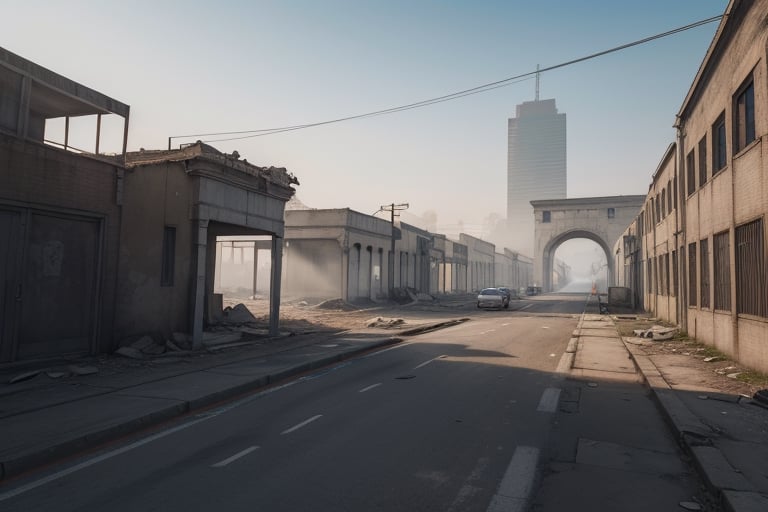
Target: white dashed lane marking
517	483
549	400
370	387
233	458
302	424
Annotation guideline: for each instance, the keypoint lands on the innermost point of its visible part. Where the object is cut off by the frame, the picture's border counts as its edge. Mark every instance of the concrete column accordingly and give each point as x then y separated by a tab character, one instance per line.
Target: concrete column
255	267
344	273
217	271
274	285
198	285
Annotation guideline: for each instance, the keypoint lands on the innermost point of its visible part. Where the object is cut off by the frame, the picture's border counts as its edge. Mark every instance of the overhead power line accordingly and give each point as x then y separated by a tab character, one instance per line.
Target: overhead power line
247	134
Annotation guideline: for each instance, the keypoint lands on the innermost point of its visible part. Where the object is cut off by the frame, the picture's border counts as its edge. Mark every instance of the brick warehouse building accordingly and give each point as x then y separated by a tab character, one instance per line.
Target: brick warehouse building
698	248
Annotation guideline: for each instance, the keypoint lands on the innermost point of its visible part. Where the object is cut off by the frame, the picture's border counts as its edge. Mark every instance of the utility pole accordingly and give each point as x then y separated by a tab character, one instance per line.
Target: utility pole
392	208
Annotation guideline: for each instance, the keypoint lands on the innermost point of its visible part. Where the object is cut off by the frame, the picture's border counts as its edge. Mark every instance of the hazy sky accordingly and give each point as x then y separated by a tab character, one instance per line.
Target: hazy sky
197	67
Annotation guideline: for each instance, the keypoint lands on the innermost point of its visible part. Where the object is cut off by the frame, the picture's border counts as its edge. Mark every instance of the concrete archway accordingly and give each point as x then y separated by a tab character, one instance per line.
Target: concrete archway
600	219
548	256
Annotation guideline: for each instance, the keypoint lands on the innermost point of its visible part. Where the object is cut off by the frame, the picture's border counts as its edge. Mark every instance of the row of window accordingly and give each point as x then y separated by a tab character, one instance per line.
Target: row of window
710	288
743	135
696	168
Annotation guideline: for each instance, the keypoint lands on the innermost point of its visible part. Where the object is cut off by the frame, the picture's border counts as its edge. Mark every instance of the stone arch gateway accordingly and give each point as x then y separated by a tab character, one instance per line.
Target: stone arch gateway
600	219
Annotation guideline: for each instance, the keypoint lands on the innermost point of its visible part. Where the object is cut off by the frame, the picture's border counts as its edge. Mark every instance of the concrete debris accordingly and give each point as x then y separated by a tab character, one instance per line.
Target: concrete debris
384	323
24	376
733	375
130	352
142	343
712	359
82	370
690	505
238	314
336	304
657	333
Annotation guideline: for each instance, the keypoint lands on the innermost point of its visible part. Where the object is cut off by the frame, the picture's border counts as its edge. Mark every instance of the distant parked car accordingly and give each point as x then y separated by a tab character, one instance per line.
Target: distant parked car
492	298
533	290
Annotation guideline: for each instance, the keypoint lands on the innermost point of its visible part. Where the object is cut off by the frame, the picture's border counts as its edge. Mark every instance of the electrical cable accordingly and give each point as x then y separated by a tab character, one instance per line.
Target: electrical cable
448	97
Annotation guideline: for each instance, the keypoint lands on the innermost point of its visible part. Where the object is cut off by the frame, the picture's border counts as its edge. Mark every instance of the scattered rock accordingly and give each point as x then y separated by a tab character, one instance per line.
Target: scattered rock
239	314
690	505
733	375
130	352
592	384
703	397
24	376
82	370
384	323
712	359
303	303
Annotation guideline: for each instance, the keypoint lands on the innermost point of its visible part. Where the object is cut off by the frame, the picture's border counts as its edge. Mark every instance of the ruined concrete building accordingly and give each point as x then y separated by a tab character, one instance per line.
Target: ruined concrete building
96	247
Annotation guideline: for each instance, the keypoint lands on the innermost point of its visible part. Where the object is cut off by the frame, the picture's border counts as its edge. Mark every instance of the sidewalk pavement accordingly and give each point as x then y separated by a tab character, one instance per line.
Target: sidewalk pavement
725	436
61	409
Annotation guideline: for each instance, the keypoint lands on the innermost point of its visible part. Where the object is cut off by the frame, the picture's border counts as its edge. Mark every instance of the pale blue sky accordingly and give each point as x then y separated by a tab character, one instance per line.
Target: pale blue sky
193	67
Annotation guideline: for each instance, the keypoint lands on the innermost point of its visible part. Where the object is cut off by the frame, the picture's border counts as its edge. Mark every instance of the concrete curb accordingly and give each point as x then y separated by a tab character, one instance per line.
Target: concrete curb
50	454
736	493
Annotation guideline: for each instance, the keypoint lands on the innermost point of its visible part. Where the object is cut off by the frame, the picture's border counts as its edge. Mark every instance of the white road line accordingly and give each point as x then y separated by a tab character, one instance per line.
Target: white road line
549	400
526	307
370	387
425	363
90	462
234	457
517	483
302	424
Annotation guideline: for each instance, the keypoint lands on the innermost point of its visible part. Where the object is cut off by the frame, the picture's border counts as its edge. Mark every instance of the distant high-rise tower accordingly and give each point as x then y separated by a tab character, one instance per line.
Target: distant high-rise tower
536	166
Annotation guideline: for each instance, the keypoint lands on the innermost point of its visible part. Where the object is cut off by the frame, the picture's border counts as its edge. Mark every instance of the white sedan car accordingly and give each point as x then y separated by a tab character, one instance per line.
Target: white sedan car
492	298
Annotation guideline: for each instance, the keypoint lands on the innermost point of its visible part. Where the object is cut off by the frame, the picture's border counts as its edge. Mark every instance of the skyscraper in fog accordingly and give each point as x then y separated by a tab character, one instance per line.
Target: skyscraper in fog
536	166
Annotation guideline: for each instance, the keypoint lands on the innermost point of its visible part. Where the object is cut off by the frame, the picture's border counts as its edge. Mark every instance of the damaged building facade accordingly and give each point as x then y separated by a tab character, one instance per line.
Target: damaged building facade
177	203
109	246
60	211
697	253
